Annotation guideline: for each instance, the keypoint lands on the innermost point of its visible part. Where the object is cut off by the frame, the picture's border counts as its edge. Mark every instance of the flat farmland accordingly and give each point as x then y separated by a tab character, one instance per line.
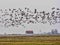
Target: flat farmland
30	40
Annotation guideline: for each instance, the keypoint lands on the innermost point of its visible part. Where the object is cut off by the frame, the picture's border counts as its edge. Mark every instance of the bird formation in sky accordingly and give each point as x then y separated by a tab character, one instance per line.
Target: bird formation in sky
18	17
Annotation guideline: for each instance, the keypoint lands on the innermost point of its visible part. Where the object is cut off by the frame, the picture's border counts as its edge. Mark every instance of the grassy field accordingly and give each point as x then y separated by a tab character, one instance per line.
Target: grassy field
30	40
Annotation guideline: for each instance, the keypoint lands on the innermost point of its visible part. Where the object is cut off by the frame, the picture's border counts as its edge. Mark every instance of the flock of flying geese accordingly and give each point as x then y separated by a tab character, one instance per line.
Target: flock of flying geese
17	17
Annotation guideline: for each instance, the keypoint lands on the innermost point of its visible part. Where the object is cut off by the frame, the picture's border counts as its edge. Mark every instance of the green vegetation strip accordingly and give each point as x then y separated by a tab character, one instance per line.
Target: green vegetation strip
27	43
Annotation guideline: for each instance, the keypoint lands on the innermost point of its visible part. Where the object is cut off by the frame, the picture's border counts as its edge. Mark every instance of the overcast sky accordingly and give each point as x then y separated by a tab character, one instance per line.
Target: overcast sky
32	4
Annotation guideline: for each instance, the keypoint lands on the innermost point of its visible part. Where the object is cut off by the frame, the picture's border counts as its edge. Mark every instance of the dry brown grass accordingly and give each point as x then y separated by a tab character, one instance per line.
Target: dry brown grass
30	40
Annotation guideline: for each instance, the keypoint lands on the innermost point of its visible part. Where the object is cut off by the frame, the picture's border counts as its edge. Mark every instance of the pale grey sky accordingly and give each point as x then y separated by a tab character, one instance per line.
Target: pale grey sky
32	4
